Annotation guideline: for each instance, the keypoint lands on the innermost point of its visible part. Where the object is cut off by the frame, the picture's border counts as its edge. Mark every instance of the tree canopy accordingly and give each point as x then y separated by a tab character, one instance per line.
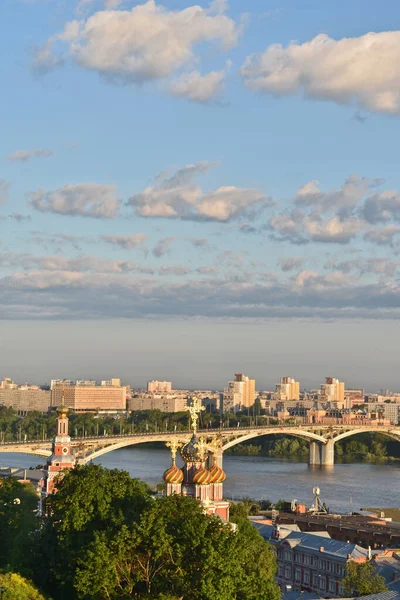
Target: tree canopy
106	537
17	587
362	580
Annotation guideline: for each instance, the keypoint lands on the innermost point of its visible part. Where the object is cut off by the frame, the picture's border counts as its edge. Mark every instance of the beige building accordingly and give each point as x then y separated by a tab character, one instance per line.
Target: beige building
25	399
287	389
164	402
240	393
90	397
159	386
332	391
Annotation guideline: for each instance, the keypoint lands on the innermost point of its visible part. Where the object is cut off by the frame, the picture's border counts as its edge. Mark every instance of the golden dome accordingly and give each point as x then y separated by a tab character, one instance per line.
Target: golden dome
217	474
202	476
173	475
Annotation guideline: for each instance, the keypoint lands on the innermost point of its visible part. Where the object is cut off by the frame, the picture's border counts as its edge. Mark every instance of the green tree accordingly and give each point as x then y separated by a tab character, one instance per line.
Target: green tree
362	580
106	538
18	520
176	549
18	588
90	502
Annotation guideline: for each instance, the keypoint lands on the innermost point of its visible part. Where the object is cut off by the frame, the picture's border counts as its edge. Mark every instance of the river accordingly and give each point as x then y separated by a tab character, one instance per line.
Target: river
343	486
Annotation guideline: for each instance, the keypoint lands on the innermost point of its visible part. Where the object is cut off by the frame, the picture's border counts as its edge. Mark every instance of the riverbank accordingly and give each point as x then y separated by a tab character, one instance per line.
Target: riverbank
366	448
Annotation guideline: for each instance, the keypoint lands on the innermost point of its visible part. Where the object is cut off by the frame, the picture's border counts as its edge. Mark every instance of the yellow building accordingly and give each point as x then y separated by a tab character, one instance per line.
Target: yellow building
240	393
333	391
287	389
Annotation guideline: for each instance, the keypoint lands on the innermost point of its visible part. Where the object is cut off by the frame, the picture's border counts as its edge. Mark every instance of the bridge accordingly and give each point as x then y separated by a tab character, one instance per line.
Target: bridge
321	439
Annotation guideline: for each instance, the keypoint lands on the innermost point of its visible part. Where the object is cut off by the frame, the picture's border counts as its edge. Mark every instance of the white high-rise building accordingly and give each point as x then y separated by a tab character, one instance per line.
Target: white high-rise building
287	389
240	393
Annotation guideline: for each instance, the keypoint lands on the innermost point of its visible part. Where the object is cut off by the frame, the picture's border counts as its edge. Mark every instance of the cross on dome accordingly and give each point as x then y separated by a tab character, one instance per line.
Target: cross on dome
195	409
173	446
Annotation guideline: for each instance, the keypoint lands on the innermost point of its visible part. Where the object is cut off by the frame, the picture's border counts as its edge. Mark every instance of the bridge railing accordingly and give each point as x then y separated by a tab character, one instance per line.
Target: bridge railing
278	427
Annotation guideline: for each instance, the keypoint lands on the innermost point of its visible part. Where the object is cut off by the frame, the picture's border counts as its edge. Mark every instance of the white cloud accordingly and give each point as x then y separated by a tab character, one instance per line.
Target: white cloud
363	70
290	263
163	246
382	207
198	88
4	189
25	155
180	198
125	241
148	42
85	199
383	235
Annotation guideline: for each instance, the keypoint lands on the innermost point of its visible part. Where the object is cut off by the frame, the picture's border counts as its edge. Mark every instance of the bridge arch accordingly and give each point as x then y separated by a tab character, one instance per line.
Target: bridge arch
123	444
394	433
295	432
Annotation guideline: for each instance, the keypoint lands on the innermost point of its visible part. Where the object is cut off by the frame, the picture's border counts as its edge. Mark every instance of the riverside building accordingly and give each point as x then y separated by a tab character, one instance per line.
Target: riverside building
90	398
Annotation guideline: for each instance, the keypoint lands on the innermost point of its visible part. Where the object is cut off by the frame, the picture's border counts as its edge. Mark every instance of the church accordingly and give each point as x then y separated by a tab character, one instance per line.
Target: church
201	477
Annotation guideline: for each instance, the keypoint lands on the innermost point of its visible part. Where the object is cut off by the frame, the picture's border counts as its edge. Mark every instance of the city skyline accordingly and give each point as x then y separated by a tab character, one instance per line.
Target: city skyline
221	201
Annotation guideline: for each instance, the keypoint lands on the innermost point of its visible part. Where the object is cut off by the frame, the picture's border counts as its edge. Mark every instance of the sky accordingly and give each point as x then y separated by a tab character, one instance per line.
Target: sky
193	190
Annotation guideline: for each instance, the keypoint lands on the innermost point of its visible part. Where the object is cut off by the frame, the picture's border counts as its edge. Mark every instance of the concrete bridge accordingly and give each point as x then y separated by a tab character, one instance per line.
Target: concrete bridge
321	438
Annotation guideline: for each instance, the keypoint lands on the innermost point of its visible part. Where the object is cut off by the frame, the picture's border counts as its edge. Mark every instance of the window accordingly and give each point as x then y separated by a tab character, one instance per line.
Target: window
306	577
332	586
288	572
322	583
315	579
298	575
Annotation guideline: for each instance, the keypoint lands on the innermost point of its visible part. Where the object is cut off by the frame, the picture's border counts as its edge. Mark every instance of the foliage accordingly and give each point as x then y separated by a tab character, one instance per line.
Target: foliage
18	520
106	538
362	580
18	588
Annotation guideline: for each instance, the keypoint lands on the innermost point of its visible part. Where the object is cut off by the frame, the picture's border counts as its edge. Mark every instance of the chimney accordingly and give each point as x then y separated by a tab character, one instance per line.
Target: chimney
349	557
322	549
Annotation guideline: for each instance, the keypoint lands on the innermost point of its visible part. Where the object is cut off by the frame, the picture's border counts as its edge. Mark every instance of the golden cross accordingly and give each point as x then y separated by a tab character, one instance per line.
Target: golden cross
173	446
194	409
215	445
202	447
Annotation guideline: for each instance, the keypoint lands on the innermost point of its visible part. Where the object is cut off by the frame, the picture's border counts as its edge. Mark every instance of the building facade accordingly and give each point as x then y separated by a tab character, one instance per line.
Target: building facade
240	393
332	391
159	386
311	562
90	398
287	389
164	402
25	399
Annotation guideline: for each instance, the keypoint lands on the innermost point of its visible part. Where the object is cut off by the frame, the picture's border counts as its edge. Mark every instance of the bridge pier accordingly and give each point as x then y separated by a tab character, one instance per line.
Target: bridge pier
314	453
328	454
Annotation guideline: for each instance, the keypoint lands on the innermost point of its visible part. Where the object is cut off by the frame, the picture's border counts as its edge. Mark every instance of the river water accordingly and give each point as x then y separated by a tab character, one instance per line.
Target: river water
343	486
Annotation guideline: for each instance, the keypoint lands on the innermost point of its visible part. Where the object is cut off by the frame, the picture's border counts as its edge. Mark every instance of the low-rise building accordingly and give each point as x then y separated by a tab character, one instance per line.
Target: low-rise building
311	562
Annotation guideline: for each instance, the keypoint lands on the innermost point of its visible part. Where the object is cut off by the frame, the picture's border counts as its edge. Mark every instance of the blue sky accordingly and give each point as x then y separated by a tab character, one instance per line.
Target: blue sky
215	172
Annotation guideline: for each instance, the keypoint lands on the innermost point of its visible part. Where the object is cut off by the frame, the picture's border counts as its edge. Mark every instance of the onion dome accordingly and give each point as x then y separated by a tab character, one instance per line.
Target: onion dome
202	476
190	451
217	474
173	475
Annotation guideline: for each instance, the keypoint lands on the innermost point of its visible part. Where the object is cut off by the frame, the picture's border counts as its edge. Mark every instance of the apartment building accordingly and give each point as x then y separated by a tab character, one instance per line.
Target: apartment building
164	402
159	386
240	393
332	391
310	562
25	399
90	398
287	389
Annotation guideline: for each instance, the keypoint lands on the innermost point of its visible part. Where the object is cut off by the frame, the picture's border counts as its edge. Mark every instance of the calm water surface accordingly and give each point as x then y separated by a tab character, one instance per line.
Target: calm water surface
261	477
